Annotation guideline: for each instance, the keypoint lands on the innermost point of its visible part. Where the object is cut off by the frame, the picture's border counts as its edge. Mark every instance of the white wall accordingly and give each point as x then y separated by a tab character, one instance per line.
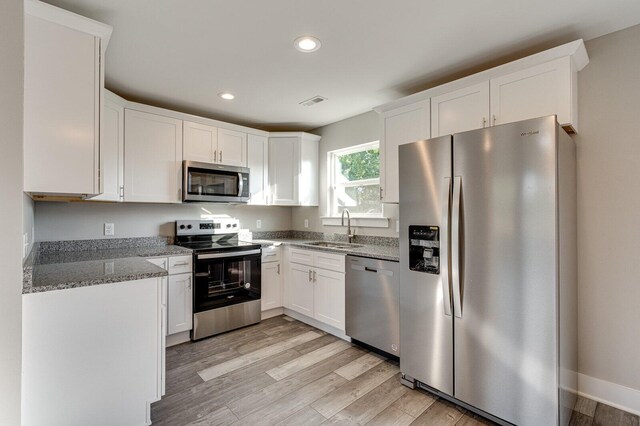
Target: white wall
11	201
85	220
352	131
609	211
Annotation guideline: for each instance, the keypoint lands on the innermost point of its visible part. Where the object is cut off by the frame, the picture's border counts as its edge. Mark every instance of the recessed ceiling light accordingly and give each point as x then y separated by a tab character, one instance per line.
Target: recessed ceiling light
226	96
307	44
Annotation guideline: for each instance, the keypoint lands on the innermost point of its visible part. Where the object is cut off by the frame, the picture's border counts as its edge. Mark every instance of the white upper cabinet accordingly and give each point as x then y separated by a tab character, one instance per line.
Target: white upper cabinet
63	81
210	144
400	126
293	169
200	142
538	91
153	158
460	110
232	148
258	163
112	149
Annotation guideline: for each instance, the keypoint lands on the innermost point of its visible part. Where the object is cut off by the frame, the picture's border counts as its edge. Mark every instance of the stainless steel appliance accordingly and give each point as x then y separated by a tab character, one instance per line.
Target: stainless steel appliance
214	183
226	276
372	305
488	270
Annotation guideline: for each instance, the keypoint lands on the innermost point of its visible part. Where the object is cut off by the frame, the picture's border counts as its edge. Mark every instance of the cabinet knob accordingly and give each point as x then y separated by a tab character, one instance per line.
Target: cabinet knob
494	119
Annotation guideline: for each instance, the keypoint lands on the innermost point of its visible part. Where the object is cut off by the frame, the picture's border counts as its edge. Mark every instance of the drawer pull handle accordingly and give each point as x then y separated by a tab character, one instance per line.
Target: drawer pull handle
181	264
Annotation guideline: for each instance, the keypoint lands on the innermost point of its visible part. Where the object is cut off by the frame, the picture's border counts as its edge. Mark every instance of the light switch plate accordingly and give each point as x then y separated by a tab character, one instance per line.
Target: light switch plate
109	229
258	224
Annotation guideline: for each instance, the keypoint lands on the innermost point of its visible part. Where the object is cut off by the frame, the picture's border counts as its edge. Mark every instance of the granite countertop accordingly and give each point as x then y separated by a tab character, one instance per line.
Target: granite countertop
374	251
61	266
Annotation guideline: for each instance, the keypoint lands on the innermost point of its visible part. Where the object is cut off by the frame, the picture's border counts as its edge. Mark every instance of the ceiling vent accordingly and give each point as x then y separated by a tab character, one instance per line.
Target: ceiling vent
313	101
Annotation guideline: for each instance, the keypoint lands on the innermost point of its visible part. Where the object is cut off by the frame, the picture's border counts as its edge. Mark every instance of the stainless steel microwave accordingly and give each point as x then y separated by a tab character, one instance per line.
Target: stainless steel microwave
205	182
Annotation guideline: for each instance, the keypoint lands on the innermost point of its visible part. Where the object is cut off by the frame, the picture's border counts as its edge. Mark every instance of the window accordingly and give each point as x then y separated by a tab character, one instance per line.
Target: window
354	180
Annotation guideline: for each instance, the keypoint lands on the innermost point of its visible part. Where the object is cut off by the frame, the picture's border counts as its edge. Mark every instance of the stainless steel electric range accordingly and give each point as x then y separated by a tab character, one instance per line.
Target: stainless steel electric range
226	276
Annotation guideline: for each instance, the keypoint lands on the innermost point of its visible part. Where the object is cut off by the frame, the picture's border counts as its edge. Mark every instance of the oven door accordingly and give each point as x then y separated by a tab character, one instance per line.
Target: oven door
224	279
217	183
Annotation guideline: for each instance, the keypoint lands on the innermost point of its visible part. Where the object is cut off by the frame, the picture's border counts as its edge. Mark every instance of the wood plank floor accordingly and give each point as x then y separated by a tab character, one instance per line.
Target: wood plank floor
284	372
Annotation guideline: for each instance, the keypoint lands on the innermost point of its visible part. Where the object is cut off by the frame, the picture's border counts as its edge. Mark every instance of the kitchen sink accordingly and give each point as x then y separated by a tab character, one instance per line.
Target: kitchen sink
331	244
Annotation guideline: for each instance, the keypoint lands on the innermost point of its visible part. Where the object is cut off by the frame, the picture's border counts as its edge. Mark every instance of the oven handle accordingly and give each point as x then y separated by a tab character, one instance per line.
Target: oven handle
231	254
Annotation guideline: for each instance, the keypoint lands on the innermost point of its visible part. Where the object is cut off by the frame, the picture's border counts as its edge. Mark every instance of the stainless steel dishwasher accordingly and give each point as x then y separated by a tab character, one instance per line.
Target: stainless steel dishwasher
372	303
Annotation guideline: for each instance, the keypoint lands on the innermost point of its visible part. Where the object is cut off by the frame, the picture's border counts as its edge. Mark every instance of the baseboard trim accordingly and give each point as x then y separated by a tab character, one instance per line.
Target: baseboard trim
618	396
317	324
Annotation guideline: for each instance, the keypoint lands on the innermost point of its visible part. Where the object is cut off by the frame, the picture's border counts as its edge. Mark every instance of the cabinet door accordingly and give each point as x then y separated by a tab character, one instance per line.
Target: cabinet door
284	154
400	126
461	110
61	109
329	298
534	92
200	142
112	151
258	163
308	176
179	304
301	289
232	148
153	158
271	296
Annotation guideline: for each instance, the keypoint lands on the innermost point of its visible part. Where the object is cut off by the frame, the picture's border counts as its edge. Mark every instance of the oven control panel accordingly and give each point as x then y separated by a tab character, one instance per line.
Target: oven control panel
207	226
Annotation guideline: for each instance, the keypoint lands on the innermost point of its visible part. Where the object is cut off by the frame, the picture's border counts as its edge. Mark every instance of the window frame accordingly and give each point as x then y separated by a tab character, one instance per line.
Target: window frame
332	161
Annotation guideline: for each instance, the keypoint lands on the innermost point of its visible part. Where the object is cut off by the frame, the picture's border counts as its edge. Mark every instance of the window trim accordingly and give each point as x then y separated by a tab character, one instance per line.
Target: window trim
377	220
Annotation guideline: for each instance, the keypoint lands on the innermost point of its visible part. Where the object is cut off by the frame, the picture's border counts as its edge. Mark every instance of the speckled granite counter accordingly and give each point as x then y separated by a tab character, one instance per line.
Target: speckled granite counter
63	265
383	248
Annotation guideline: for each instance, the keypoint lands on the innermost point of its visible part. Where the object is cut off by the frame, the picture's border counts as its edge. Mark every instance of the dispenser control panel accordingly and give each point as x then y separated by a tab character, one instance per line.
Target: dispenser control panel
424	249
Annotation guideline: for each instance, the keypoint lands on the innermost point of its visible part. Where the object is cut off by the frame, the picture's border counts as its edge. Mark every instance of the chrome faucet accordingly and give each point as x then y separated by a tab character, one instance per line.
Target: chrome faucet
349	234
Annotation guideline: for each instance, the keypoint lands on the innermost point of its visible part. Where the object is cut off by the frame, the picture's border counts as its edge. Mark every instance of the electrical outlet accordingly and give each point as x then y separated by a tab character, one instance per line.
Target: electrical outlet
109	268
397	226
109	229
258	224
306	223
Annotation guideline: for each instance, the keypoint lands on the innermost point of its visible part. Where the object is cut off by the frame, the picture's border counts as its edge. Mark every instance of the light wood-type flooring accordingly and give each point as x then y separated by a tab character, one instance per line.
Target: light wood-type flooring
284	372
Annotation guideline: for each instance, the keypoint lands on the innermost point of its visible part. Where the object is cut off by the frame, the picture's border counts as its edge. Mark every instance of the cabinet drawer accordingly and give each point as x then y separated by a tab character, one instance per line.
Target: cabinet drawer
271	254
160	261
179	265
301	256
329	261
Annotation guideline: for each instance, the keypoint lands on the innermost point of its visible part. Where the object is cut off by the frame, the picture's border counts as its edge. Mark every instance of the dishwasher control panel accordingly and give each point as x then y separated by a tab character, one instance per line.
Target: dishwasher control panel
424	249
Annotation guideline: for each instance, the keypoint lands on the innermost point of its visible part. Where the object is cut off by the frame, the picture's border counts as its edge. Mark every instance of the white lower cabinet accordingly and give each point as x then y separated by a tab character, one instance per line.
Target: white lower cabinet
80	346
178	300
301	289
179	304
329	297
314	291
271	295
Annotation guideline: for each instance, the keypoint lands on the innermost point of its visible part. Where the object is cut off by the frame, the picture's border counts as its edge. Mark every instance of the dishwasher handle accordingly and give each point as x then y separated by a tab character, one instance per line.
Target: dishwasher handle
368	269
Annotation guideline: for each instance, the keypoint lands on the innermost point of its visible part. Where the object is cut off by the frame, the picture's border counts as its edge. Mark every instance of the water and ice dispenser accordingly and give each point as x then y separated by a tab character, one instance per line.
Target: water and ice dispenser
424	249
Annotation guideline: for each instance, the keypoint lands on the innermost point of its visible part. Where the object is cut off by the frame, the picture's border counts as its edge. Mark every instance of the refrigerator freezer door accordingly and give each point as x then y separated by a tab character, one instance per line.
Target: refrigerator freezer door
506	335
426	323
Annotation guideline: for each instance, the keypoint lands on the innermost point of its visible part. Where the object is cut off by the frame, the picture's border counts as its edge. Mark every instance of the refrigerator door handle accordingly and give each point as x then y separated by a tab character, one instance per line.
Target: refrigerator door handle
455	247
444	246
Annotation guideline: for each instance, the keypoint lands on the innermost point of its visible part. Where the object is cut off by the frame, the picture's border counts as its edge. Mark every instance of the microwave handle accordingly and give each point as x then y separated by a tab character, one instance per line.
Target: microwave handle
240	184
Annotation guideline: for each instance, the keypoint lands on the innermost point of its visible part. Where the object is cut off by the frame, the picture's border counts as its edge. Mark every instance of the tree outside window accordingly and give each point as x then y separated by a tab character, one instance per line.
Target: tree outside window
354	175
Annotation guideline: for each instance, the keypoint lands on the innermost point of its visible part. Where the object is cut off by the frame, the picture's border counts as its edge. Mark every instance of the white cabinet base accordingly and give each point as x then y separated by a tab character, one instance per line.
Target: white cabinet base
271	313
178	338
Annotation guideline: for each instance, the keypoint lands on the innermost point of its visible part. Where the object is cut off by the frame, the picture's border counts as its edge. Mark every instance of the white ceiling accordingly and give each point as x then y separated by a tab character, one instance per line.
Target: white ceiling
181	53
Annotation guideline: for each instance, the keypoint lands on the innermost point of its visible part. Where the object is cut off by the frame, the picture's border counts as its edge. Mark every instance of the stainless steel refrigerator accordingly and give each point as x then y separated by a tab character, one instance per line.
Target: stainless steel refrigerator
488	270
